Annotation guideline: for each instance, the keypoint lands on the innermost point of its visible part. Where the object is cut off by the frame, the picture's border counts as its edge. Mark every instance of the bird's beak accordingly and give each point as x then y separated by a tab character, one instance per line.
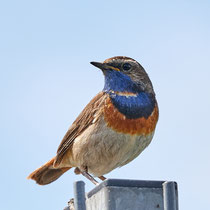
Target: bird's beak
99	65
104	66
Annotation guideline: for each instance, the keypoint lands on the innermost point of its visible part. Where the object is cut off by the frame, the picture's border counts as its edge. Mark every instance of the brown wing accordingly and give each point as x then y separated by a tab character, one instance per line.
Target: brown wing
85	119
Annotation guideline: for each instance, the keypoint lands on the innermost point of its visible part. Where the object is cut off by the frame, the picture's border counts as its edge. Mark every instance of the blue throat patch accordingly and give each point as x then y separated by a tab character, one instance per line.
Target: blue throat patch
117	81
140	104
134	107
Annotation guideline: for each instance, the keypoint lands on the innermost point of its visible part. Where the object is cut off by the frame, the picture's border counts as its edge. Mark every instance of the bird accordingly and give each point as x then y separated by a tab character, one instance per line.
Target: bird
112	130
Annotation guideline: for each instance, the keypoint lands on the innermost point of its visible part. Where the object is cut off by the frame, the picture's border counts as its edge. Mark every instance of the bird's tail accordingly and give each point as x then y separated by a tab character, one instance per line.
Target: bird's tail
47	173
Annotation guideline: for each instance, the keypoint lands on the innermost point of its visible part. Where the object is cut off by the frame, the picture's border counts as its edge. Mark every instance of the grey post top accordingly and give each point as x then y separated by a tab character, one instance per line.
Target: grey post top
125	183
126	194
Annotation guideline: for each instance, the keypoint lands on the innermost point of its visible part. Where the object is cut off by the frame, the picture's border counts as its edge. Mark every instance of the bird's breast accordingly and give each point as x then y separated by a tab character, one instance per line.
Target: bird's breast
131	115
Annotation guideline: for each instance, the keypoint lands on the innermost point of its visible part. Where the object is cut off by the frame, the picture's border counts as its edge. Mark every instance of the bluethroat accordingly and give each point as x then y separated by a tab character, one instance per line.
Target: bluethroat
112	130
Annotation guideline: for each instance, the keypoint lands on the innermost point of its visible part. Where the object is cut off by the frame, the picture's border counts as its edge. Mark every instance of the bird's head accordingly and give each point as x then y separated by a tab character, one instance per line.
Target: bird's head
124	74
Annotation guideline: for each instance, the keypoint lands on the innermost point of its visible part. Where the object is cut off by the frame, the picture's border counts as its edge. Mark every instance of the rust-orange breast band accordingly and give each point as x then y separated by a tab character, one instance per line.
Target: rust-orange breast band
118	122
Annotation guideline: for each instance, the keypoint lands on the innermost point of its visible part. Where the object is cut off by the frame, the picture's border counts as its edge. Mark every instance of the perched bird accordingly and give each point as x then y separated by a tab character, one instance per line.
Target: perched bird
112	130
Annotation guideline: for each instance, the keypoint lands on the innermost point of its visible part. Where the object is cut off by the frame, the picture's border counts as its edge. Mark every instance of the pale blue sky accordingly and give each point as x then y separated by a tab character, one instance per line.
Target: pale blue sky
46	80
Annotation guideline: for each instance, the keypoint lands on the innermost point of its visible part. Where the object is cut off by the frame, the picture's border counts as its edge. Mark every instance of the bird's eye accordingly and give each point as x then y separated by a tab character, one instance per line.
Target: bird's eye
126	66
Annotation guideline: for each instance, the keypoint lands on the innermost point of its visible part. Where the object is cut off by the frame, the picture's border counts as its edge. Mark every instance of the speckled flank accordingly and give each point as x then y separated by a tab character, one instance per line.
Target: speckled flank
120	123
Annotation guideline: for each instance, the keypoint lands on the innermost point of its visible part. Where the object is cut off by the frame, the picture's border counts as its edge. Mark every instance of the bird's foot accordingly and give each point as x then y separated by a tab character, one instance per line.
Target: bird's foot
88	176
102	178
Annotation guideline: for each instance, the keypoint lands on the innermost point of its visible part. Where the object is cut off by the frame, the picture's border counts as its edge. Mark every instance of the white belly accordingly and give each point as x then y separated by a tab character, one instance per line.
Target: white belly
101	149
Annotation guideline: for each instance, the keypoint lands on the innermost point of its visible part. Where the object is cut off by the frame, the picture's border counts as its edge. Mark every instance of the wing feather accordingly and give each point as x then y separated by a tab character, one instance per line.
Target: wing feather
84	120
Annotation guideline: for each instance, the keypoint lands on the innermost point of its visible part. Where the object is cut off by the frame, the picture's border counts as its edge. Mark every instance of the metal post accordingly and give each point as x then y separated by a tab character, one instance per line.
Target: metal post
170	196
122	194
79	195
